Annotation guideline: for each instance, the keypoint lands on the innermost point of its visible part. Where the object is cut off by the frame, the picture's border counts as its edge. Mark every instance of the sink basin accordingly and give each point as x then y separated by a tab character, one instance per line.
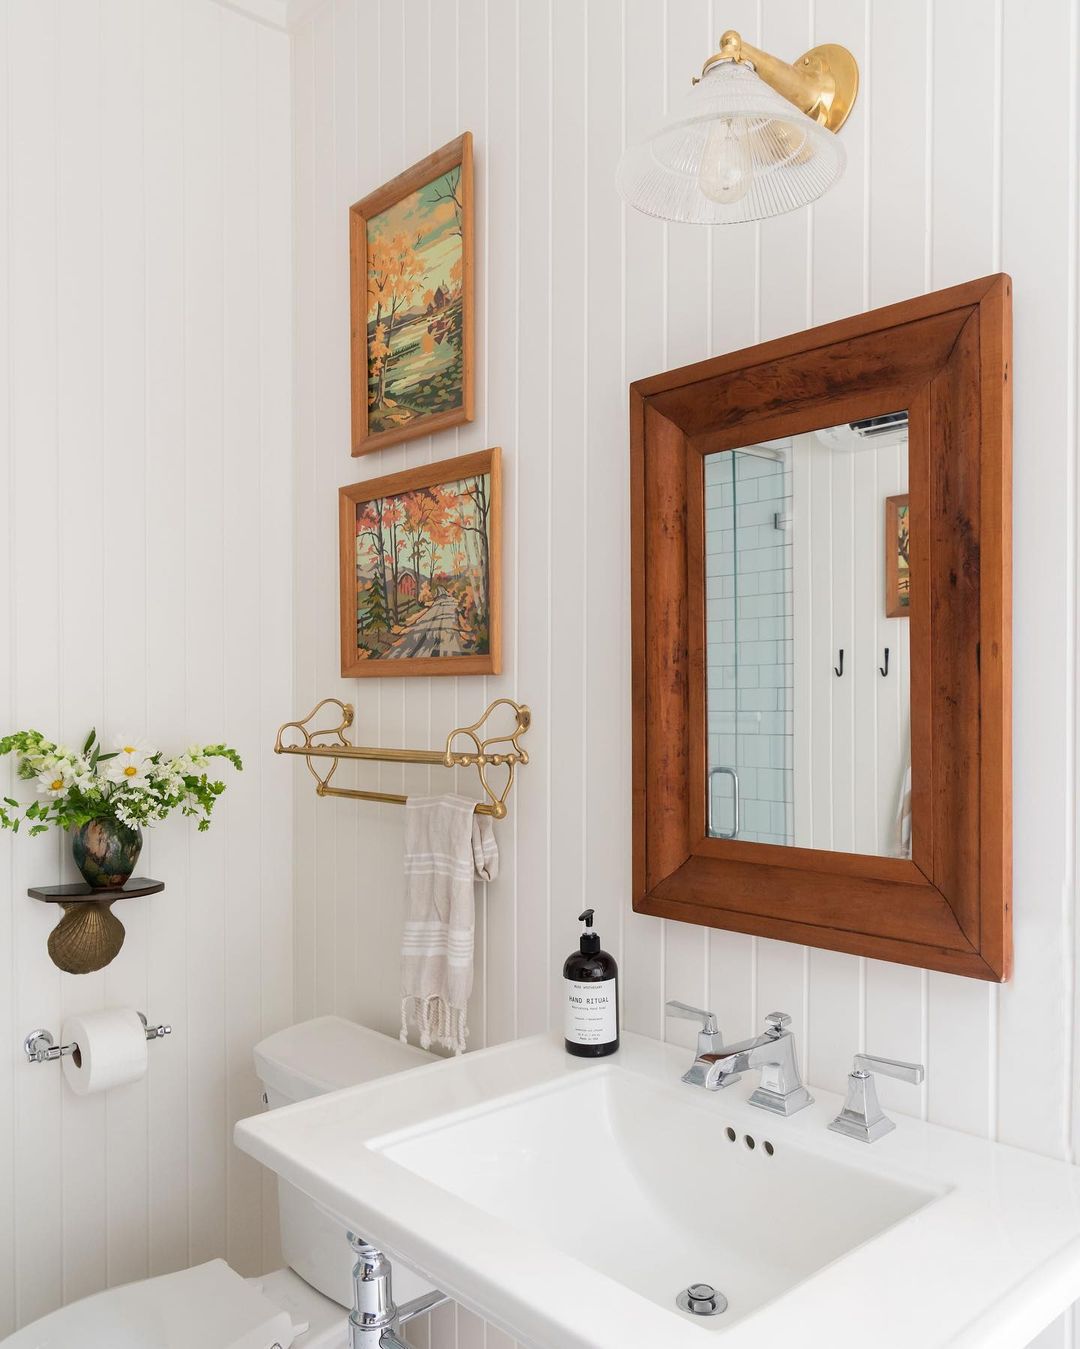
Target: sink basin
570	1202
630	1179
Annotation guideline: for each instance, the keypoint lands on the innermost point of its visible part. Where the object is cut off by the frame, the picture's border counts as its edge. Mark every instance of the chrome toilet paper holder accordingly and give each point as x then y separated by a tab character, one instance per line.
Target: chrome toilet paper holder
41	1047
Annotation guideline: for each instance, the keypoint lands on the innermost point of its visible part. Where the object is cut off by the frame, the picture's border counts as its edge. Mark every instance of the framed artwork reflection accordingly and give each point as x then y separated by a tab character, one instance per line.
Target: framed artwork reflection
897	558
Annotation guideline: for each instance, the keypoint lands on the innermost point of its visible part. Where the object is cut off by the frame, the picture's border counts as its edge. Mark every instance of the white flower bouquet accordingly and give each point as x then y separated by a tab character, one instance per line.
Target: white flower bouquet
132	784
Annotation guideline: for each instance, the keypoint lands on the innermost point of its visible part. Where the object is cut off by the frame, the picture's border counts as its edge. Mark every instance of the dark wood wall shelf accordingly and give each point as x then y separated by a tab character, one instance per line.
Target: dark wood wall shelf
89	935
81	892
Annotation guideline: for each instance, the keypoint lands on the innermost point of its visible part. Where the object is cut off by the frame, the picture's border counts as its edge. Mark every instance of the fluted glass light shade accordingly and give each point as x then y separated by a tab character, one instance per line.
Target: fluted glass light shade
735	150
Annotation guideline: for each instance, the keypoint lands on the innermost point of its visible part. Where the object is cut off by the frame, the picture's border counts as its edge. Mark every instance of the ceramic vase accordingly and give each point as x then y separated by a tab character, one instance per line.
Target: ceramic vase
106	851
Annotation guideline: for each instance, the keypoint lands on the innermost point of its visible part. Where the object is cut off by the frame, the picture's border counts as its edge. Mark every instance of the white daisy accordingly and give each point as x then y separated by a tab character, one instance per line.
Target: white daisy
55	780
126	770
134	747
131	764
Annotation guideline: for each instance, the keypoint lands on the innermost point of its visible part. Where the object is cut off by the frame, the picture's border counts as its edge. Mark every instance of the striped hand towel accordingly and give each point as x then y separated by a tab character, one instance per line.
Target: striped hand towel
446	844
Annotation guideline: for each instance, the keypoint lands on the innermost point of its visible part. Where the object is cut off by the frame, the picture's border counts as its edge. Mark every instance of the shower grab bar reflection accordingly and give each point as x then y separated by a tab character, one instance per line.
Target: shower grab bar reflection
713	832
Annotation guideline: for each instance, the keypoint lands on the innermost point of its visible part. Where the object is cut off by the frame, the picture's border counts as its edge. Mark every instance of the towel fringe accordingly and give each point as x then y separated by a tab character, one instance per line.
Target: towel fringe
436	1021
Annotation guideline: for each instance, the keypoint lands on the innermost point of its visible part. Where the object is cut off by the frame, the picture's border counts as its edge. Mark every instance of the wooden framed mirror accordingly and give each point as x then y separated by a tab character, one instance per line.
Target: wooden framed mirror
797	508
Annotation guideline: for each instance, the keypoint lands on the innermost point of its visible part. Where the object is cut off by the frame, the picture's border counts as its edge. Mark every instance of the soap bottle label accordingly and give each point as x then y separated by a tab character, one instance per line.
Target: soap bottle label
590	1012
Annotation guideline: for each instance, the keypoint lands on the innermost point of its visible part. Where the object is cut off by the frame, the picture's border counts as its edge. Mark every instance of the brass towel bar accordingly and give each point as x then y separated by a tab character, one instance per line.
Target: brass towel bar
315	745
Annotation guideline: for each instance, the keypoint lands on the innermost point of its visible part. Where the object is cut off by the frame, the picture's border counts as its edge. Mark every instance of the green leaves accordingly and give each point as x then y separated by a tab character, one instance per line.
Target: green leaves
224	752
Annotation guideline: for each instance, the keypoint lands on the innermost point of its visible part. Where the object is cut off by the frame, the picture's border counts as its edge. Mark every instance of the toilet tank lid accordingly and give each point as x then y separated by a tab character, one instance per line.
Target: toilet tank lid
328	1053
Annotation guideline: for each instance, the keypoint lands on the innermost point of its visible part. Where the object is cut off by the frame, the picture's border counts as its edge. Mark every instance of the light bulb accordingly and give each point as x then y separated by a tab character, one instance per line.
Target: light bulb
727	170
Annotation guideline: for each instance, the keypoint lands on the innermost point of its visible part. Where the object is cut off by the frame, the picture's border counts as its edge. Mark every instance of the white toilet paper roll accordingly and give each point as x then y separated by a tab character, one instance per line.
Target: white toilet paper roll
111	1050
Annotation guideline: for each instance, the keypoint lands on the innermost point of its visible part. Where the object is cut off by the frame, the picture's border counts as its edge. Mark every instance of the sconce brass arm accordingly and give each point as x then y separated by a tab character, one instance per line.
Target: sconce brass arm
823	82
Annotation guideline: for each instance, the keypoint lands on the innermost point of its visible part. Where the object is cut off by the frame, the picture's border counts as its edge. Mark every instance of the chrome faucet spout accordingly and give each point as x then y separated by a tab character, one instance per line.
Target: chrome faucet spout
780	1088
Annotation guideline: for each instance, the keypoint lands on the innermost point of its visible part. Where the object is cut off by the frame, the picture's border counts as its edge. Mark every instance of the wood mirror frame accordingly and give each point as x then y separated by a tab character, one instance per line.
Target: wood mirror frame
946	358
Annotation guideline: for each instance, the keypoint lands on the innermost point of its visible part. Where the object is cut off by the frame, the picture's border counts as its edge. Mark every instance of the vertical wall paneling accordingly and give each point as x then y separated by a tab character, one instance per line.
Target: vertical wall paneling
123	495
734	321
476	78
897	246
785	304
607	697
272	472
533	449
204	381
144	406
80	413
576	296
33	422
644	352
8	996
166	497
1039	228
685	319
501	381
305	499
145	399
571	595
963	230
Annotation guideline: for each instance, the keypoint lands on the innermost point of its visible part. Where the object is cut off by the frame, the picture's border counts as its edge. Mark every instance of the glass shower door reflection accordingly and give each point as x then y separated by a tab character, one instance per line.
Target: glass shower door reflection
748	592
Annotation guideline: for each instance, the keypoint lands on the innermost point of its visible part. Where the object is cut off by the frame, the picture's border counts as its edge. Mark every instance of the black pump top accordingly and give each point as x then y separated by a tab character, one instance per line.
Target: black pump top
590	940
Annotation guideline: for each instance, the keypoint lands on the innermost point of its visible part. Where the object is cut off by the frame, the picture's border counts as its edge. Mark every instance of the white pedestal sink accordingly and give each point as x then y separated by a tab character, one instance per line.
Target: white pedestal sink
570	1201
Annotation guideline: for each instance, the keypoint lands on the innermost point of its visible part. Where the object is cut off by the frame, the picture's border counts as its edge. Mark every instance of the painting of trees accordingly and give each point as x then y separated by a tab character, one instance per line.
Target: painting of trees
411	301
415	275
422	562
395	274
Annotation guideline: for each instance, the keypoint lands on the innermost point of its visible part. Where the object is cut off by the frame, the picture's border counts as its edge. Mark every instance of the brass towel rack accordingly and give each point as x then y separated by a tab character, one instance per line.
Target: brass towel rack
330	743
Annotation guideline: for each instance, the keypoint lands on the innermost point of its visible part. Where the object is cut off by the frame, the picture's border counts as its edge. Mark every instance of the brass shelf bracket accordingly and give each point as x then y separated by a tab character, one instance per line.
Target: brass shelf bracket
466	747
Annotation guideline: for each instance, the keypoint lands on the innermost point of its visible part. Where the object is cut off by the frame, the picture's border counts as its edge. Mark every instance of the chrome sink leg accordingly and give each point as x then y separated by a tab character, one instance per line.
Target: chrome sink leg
375	1318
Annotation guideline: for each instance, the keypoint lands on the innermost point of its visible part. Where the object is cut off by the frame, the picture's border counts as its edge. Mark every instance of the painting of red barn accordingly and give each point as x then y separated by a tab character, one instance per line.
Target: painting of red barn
412	301
420	570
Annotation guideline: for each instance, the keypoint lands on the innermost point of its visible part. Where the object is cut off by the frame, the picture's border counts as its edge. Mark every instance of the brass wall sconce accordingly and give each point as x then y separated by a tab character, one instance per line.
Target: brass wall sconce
754	138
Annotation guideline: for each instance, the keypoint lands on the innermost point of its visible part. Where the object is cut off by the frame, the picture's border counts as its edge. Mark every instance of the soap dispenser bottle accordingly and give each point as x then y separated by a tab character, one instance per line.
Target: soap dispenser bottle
592	997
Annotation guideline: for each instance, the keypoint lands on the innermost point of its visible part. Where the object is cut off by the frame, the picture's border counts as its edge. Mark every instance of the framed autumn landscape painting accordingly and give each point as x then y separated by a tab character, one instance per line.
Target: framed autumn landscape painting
411	300
420	570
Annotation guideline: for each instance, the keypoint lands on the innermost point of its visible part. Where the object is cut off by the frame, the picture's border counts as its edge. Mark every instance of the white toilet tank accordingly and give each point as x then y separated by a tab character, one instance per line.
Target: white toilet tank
309	1059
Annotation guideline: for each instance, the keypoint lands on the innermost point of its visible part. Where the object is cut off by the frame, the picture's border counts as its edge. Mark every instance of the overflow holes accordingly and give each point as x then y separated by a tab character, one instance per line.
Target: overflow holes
750	1141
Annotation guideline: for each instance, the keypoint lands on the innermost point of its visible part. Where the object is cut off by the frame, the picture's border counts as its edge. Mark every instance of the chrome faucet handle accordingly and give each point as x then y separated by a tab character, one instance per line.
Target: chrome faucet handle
777	1022
710	1038
688	1013
905	1072
862	1117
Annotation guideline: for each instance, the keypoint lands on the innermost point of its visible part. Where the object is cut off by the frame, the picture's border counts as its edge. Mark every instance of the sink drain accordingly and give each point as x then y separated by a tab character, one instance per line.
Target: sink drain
702	1299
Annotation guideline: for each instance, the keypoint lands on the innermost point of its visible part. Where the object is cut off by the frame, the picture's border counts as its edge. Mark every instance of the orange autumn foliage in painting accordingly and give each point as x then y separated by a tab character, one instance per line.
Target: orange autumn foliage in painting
423	571
414	305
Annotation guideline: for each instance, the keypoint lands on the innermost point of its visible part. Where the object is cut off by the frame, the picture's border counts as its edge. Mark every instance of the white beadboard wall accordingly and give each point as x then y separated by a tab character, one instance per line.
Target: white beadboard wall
853	734
145	588
961	162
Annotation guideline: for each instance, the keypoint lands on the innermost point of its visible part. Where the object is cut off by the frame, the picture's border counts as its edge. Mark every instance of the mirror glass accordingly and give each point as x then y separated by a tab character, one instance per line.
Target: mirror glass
807	617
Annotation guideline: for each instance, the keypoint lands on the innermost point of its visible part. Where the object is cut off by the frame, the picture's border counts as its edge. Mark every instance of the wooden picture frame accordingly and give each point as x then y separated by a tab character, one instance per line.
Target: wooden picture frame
946	358
438	531
411	301
897	567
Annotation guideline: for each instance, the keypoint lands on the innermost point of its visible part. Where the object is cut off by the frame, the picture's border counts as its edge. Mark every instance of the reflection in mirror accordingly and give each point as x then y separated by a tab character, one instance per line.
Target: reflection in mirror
807	605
